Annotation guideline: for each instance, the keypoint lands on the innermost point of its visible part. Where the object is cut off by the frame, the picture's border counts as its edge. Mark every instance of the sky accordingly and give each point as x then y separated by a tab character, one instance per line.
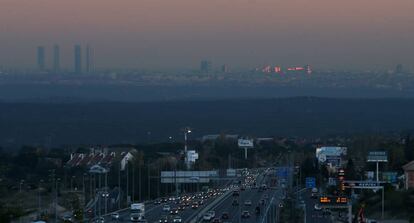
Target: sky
165	34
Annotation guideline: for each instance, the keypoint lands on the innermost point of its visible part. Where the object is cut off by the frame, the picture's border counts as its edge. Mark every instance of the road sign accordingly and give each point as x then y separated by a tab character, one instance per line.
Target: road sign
310	182
363	184
282	172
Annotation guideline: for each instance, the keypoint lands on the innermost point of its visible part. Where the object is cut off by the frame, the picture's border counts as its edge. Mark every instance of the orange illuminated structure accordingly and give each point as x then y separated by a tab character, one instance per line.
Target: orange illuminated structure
333	200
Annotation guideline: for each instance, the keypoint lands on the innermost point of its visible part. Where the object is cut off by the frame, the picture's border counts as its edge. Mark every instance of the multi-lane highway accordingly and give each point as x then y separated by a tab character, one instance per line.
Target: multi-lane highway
154	212
251	196
314	215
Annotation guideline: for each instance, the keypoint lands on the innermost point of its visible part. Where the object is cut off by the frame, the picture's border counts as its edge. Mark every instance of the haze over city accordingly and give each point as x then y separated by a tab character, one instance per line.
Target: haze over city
213	111
159	34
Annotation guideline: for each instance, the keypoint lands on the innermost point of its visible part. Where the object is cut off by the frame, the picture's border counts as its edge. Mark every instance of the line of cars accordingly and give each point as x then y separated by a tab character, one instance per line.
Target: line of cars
173	206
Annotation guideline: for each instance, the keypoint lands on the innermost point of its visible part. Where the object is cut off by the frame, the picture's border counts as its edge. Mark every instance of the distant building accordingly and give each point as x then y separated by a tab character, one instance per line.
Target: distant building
77	59
277	69
409	175
399	69
41	58
56	58
104	158
89	67
308	69
224	68
206	66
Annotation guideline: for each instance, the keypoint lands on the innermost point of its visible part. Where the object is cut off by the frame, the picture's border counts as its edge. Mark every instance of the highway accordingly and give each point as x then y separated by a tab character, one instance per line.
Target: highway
222	198
154	212
312	215
252	194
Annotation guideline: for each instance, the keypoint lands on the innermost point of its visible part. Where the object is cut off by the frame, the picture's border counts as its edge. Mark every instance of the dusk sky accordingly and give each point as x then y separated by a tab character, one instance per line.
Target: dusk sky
159	34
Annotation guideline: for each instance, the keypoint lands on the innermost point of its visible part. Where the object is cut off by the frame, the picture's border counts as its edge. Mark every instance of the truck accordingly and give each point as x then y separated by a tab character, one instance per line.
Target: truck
137	212
314	193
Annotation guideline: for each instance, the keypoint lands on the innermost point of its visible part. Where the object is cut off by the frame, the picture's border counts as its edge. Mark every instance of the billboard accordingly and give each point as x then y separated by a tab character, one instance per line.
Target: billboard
245	143
192	156
330	152
377	156
188	176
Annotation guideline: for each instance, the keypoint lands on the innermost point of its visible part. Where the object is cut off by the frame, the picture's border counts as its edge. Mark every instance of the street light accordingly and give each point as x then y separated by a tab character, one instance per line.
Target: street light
39	198
187	130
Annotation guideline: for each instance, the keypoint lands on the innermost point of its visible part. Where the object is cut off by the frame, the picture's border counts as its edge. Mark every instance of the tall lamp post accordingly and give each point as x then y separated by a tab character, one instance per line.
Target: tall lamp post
187	130
39	198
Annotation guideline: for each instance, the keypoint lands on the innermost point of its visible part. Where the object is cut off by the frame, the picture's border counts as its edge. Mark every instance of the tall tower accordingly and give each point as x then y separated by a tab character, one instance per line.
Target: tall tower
56	58
41	58
89	59
399	69
224	68
78	59
206	66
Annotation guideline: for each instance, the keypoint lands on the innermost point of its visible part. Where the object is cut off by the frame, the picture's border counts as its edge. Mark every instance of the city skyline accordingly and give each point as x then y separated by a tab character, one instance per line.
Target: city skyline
178	34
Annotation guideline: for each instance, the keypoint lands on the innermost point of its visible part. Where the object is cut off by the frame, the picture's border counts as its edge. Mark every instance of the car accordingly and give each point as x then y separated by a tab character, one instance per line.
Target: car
163	219
225	215
174	211
235	202
281	205
248	203
157	202
177	219
245	214
181	208
200	202
100	220
257	210
217	220
212	213
166	207
194	206
207	217
67	218
317	207
115	216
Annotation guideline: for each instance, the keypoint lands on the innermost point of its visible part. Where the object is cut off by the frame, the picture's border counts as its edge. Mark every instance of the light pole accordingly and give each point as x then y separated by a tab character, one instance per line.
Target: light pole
71	183
119	186
20	185
187	130
56	198
39	198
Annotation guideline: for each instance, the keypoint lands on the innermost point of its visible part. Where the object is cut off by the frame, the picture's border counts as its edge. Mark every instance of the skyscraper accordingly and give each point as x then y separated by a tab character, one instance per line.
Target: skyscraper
41	58
56	58
205	66
89	59
224	68
78	59
399	69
